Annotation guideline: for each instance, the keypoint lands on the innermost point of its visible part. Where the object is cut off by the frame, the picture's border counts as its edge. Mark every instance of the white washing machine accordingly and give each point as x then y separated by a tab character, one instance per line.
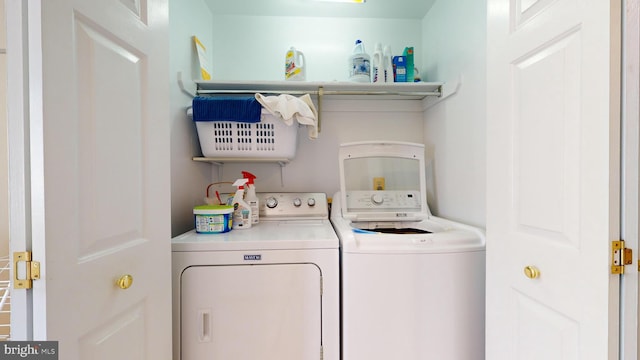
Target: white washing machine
412	284
268	292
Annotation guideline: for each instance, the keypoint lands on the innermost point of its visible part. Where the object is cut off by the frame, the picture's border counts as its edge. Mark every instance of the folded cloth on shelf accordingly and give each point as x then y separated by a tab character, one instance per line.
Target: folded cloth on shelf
289	108
225	108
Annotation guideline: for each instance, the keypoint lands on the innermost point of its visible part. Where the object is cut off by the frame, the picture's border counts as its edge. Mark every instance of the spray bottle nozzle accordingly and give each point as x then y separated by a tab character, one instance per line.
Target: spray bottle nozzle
240	183
249	176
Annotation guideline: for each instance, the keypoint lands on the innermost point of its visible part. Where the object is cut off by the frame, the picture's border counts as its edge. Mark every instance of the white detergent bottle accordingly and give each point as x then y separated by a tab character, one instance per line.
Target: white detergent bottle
377	69
295	65
251	198
359	64
241	210
387	65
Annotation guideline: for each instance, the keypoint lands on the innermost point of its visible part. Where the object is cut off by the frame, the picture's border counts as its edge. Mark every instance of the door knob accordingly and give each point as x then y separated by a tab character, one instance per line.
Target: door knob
531	272
125	281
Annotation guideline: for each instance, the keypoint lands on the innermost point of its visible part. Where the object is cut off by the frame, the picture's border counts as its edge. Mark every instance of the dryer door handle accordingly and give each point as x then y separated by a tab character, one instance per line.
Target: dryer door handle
204	332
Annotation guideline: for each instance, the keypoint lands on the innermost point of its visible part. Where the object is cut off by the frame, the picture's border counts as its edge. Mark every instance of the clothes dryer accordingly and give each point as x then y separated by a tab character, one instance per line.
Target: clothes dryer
412	284
267	292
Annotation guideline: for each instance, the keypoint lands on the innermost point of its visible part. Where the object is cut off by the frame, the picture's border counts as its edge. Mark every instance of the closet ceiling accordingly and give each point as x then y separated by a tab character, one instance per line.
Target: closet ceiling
389	9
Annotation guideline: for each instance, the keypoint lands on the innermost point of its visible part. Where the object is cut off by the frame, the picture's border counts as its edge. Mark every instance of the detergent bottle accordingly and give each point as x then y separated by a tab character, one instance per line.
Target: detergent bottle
294	65
387	65
359	64
377	68
241	210
251	198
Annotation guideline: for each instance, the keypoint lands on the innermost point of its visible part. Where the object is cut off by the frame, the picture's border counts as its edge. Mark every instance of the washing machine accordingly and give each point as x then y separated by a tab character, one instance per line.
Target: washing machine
267	292
412	284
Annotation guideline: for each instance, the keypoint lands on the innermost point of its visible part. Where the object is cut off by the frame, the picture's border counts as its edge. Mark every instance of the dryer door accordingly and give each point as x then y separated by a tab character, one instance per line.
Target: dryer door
270	311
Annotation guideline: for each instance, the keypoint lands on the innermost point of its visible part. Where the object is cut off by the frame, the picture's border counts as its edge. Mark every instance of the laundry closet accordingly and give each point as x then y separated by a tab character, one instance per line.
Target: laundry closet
525	141
251	55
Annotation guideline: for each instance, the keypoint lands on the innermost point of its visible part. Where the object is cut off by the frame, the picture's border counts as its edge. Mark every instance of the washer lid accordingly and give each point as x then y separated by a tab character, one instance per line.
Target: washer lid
383	180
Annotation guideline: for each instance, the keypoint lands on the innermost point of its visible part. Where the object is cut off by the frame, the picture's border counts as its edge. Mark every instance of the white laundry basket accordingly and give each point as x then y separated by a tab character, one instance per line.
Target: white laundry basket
270	138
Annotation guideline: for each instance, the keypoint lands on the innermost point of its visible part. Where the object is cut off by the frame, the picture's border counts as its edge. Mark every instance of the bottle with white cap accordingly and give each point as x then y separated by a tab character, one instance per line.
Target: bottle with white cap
241	210
251	198
377	70
387	65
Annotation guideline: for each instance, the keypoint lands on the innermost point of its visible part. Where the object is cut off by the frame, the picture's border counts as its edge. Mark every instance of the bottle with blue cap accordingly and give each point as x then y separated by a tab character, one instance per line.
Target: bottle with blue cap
359	64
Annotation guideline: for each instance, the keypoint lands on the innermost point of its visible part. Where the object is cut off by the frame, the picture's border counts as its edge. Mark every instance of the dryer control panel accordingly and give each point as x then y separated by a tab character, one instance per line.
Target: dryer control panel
287	206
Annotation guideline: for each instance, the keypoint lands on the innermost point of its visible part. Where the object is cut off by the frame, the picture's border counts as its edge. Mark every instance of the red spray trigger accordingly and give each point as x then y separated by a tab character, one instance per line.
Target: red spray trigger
249	176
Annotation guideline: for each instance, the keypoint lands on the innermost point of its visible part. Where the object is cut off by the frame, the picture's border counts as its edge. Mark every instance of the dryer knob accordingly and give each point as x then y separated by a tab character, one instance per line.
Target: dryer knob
311	202
297	202
377	199
271	202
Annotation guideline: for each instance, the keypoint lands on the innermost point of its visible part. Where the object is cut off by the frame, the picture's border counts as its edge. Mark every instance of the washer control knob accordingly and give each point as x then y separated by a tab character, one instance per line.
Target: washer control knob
271	202
311	202
297	202
377	199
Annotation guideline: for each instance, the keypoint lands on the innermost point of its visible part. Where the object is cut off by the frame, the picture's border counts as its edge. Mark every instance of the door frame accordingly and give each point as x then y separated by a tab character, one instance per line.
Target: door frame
18	134
630	183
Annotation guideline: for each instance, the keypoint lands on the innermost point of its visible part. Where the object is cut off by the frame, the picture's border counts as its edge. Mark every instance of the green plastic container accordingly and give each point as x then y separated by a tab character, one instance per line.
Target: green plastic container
213	219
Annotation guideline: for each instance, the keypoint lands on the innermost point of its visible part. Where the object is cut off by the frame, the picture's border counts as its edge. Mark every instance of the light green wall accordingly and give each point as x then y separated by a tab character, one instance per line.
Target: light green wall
454	45
188	179
254	47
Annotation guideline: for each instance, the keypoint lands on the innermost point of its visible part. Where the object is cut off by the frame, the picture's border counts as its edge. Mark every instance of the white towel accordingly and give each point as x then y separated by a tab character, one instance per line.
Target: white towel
289	108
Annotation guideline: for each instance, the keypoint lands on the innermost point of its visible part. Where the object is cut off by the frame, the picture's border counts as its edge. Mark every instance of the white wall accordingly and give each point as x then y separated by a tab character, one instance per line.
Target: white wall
454	41
188	179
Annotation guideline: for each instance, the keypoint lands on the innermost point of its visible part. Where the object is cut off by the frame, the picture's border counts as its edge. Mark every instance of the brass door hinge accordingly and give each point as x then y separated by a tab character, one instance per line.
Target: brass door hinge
620	256
32	270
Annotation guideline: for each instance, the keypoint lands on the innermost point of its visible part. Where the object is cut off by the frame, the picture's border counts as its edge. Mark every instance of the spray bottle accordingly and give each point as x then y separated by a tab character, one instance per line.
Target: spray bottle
241	210
251	198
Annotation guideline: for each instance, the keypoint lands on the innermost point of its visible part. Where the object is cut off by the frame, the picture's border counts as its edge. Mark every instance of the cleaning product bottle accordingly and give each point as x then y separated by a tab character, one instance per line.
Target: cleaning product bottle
377	71
241	210
408	54
359	64
295	65
251	198
387	64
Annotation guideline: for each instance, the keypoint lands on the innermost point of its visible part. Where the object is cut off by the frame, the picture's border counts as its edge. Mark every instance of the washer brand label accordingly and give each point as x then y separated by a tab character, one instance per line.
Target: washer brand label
253	257
402	214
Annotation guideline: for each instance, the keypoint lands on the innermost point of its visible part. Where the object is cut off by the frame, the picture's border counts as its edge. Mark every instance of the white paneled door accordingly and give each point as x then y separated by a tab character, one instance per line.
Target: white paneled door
553	179
89	174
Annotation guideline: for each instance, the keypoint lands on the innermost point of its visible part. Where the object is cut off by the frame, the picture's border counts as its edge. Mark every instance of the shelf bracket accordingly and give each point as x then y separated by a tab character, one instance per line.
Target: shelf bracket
447	89
320	95
182	87
282	165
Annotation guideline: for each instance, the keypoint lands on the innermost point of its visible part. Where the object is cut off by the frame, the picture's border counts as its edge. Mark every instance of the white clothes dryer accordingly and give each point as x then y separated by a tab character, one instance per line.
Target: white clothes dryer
412	284
267	292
